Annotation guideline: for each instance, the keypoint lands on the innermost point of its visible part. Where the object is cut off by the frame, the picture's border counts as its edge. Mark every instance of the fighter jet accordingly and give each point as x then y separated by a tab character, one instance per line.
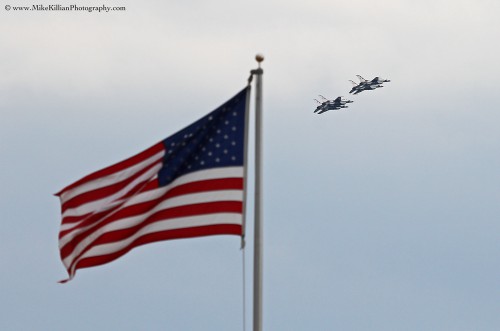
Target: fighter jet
339	100
375	81
327	104
356	88
366	85
326	107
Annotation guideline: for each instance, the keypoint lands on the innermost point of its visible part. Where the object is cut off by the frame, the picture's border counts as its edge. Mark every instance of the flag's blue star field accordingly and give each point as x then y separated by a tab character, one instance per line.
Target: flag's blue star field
216	140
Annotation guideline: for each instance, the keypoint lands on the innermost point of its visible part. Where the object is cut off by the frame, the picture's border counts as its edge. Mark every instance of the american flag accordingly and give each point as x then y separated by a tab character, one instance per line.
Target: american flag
191	184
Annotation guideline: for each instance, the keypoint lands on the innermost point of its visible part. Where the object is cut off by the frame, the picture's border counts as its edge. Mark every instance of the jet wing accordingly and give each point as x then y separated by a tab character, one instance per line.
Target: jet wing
354	89
330	107
361	78
319	108
324	110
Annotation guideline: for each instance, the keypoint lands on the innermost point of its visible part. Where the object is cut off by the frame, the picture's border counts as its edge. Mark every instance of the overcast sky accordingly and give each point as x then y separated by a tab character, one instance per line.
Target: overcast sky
381	217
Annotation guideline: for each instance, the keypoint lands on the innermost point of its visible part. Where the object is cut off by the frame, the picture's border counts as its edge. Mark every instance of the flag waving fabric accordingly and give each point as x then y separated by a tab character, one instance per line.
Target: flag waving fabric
191	184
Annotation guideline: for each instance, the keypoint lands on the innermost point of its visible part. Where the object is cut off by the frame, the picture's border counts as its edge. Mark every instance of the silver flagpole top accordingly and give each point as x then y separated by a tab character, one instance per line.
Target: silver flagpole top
259	58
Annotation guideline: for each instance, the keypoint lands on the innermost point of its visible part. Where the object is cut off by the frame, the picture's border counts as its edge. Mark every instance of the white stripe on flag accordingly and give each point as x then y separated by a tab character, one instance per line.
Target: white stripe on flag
179	223
111	179
96	205
217	173
128	222
182	200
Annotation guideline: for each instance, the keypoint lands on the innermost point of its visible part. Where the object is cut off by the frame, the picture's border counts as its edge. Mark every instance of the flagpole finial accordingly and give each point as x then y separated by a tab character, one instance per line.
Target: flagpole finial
259	58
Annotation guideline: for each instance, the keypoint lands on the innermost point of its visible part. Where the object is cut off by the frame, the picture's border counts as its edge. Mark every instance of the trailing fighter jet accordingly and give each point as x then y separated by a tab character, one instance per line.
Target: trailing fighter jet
327	104
339	100
326	107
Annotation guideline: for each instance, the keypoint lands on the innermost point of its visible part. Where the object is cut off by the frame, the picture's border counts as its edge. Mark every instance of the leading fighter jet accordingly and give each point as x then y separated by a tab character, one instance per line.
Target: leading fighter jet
375	81
363	86
327	105
356	88
366	85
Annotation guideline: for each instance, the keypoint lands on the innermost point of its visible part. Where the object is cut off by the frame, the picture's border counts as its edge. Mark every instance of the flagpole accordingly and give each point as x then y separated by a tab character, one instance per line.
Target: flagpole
257	266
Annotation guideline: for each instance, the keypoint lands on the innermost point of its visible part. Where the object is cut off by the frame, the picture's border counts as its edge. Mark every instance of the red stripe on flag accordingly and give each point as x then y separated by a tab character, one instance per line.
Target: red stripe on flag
206	185
219	229
117	167
163	215
142	208
171	213
92	217
103	192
